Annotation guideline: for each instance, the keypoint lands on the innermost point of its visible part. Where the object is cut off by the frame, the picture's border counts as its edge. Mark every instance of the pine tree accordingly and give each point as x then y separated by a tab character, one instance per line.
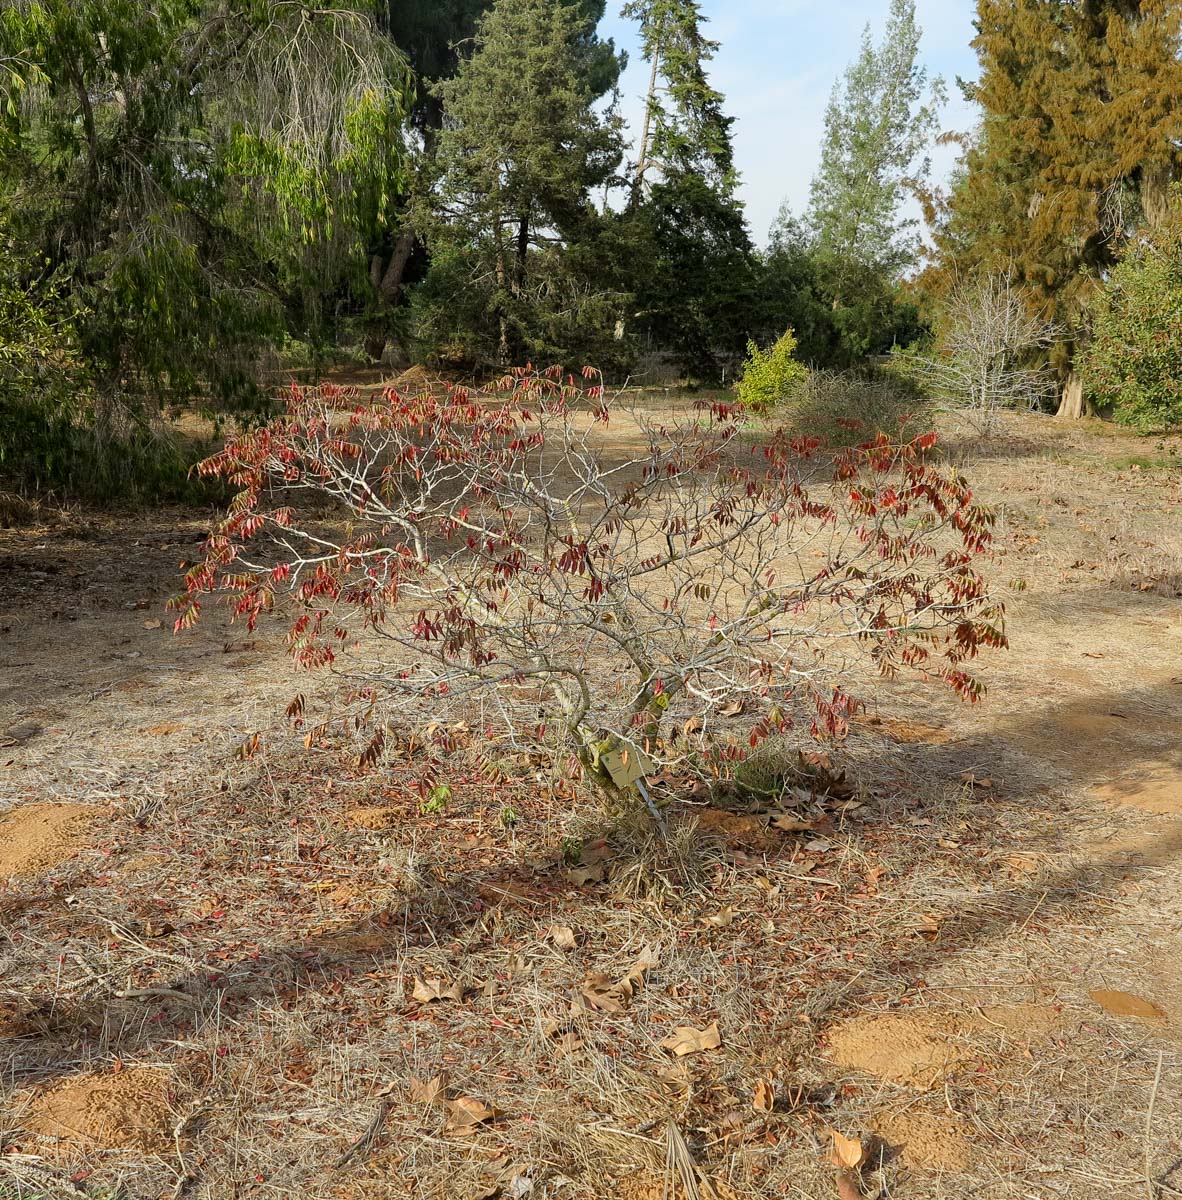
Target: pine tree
685	129
878	126
1080	137
695	286
433	35
522	149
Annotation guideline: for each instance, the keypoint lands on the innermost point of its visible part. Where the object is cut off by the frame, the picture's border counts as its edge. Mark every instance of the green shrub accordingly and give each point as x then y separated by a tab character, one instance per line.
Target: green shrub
1134	362
770	376
57	433
40	397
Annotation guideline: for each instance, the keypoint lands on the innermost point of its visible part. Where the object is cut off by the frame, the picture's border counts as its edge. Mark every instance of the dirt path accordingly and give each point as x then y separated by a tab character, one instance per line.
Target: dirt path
210	965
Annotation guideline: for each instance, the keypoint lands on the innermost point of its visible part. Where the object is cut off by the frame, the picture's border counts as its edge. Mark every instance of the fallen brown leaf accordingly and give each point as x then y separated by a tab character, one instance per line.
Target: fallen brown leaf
720	919
793	824
601	992
596	850
598	991
847	1187
580	876
429	1091
764	1099
685	1039
562	936
430	990
634	979
467	1113
848	1153
564	1036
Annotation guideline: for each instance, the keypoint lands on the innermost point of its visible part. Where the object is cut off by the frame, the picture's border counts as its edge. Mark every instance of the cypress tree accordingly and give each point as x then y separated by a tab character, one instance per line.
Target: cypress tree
695	285
685	127
1080	137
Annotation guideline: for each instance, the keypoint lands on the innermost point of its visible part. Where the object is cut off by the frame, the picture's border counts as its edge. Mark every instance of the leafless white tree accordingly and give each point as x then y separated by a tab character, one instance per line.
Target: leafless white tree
988	336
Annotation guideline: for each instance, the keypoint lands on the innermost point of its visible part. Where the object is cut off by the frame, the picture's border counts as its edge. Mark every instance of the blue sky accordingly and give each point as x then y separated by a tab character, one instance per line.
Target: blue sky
777	65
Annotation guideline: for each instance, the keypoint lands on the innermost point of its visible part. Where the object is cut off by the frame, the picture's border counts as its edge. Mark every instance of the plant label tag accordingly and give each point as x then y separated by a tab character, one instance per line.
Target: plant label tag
626	765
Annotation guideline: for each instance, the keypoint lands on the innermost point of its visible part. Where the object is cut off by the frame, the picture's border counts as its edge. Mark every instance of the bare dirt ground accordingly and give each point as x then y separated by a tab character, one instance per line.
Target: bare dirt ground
272	976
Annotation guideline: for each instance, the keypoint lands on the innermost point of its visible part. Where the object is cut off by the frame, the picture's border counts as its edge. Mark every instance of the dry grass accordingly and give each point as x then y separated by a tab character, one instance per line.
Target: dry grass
254	930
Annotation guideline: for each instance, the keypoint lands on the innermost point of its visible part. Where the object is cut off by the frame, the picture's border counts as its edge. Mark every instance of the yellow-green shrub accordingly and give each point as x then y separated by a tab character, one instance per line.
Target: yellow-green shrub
770	376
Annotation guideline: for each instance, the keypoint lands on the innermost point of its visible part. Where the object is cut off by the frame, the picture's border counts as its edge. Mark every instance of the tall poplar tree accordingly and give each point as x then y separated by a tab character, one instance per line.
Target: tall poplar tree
1080	138
879	125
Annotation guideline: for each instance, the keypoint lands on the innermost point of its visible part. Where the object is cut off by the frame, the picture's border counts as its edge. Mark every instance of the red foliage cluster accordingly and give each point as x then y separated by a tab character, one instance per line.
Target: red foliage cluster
479	541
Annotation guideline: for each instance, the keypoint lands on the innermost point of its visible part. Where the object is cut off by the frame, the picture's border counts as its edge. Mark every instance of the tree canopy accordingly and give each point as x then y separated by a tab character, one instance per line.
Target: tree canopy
878	128
193	191
197	175
1081	127
522	149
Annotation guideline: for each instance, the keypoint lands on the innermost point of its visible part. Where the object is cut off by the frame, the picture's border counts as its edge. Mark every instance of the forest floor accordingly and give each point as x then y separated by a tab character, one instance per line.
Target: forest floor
231	966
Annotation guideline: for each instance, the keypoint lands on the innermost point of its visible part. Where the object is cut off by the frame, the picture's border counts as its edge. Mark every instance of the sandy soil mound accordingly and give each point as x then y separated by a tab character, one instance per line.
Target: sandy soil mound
933	1143
37	837
645	1185
1023	1022
129	1110
920	1049
1157	792
911	732
649	1185
1125	1004
913	1049
375	818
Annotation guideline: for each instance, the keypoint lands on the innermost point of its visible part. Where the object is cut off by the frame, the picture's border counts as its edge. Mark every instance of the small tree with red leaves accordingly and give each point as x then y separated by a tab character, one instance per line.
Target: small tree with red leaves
486	552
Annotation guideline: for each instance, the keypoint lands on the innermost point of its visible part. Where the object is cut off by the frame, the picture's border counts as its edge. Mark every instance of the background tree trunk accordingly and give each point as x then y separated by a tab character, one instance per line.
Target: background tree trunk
1072	406
642	157
387	279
